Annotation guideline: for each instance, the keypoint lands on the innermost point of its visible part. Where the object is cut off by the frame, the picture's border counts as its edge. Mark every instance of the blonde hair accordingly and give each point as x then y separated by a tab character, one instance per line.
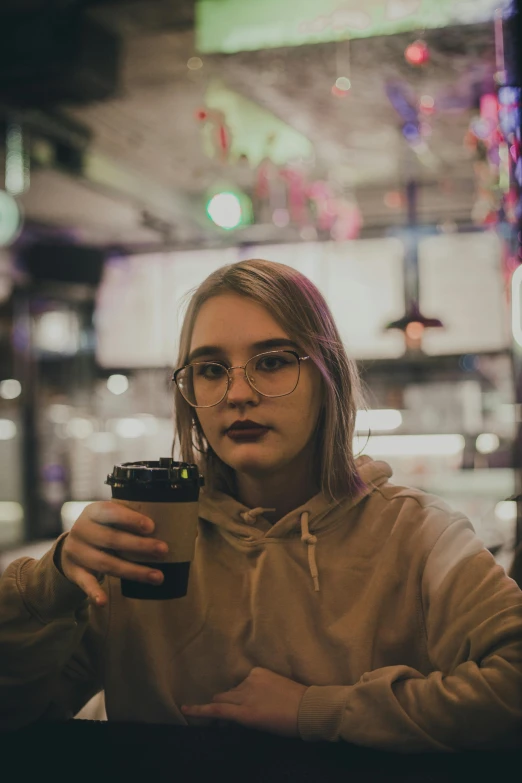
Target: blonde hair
309	322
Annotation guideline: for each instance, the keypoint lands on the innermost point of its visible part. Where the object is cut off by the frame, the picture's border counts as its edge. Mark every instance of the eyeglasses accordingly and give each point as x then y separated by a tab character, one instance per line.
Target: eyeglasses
271	374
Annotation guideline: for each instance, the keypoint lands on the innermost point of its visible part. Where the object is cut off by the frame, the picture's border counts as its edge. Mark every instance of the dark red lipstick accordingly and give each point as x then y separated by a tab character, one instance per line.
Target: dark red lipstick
246	429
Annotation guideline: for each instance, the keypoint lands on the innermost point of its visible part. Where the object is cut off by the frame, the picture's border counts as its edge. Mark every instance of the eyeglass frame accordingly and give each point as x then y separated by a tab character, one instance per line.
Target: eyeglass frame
240	367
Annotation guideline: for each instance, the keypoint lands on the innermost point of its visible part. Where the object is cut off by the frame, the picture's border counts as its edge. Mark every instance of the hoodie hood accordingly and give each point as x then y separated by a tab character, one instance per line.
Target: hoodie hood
243	526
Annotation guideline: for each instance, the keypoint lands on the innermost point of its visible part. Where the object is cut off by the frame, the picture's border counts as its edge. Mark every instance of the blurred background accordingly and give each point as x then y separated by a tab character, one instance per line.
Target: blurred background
373	145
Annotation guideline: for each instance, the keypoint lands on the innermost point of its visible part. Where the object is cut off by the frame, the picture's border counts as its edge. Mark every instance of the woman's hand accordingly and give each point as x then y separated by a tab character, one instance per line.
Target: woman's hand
264	701
104	533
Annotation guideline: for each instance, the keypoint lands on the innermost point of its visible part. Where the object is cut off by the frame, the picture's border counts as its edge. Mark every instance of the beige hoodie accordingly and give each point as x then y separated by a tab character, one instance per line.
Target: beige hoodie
388	607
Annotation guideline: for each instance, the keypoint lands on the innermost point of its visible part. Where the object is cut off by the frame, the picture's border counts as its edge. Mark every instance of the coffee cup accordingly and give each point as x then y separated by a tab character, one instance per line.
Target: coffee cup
168	493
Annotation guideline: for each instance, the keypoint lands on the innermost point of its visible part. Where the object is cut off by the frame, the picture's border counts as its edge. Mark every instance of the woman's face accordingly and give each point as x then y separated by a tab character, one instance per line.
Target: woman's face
233	328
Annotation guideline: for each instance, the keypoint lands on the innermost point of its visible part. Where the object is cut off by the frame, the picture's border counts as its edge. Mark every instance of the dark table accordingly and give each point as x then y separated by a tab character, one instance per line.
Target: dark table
119	752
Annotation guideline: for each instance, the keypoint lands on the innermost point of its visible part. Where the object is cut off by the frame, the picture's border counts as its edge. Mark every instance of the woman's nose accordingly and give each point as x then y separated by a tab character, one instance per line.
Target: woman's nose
239	388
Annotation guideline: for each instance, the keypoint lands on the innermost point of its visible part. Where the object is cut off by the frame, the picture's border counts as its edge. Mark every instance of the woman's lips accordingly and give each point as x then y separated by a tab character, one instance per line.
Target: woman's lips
254	433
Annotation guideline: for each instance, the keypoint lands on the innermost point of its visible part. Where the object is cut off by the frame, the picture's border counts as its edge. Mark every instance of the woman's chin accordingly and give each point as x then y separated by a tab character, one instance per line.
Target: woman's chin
252	467
252	463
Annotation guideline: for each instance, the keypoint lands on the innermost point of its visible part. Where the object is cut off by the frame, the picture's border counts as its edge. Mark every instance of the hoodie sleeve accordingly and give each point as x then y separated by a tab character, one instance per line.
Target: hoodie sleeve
473	698
50	650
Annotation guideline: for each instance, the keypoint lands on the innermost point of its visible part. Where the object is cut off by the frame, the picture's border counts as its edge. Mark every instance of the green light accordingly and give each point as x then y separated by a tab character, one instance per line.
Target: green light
224	209
343	83
184	473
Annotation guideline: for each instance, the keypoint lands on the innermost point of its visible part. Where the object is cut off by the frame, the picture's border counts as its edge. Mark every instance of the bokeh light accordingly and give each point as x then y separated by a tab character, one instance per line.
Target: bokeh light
194	63
427	103
10	389
415	330
337	92
394	199
417	53
487	443
117	384
7	429
224	209
281	218
79	427
343	83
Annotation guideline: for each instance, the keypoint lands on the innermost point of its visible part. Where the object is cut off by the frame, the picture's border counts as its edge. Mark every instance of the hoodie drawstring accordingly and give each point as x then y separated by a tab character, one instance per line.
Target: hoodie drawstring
311	540
306	537
250	516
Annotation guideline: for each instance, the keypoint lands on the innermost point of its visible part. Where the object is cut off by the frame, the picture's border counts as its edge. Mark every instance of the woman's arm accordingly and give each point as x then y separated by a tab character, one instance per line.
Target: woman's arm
473	700
49	648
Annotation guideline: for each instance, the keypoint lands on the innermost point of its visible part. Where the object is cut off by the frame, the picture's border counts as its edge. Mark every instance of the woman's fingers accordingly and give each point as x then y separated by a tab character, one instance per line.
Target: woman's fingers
111	513
103	536
88	583
89	558
105	539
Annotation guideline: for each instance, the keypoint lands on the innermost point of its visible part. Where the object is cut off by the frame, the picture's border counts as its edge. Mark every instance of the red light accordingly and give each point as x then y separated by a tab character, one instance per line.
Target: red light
417	53
339	93
427	104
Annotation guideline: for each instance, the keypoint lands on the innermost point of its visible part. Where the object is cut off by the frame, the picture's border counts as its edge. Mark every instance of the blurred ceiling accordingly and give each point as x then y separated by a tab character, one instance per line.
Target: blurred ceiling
148	165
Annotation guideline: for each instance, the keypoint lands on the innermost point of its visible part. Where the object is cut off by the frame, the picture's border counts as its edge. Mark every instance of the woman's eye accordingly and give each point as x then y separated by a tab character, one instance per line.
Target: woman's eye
271	363
212	371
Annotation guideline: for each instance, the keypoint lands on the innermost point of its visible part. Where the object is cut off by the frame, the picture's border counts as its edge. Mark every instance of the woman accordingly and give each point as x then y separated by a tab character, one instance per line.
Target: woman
324	602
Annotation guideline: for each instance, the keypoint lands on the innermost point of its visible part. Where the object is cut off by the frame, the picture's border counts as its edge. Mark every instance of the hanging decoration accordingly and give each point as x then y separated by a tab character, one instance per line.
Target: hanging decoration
295	180
221	134
414	113
492	163
286	196
413	323
343	66
417	53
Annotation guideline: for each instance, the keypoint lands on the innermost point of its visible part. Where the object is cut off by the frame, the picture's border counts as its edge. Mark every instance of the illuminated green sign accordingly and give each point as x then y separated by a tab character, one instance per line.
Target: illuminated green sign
241	25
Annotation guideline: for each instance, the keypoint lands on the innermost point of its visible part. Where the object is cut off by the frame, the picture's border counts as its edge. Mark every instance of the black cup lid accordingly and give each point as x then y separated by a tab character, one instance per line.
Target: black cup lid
154	472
